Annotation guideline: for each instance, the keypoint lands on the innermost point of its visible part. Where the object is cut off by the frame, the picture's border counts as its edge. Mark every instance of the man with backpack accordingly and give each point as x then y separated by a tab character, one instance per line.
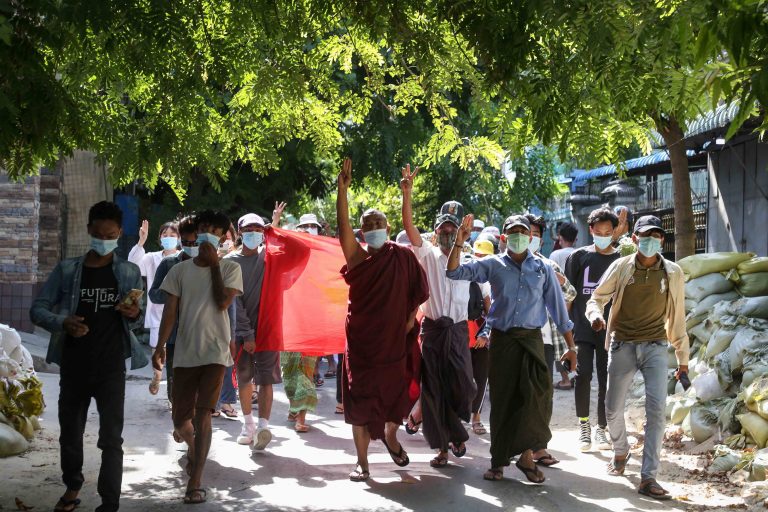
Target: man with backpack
447	384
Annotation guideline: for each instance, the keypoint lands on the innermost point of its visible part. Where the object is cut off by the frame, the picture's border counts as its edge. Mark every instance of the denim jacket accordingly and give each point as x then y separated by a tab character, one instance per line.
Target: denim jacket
60	296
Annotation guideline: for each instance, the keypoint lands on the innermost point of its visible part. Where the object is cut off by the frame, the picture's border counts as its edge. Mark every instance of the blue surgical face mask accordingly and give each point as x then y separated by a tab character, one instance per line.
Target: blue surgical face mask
192	252
252	239
602	242
535	244
518	242
169	243
375	238
648	246
103	247
208	237
473	236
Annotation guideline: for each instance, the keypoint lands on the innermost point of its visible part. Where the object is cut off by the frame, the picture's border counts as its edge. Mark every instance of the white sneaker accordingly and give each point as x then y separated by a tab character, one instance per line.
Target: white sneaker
263	437
246	435
585	438
603	443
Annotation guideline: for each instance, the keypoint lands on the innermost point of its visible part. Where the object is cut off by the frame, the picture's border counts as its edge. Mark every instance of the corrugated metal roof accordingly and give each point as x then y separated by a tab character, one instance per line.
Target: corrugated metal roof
712	120
655	157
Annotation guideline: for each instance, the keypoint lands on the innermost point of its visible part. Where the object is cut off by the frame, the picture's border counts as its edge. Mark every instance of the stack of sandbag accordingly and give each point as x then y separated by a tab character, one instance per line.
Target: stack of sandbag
21	395
751	277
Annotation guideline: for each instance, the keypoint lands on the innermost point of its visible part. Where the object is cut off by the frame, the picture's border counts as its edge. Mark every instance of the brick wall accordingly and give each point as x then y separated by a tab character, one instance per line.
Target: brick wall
19	214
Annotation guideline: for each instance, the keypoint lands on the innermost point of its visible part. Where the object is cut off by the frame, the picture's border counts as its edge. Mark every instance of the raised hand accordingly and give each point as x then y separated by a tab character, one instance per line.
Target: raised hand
406	184
623	226
465	230
277	213
345	176
143	232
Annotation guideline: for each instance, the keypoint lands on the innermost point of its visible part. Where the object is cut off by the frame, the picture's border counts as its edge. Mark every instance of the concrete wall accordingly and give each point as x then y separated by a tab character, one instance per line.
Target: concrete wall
84	184
737	213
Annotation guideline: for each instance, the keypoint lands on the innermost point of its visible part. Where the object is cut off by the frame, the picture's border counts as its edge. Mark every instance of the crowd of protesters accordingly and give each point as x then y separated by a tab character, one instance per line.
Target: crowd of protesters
474	314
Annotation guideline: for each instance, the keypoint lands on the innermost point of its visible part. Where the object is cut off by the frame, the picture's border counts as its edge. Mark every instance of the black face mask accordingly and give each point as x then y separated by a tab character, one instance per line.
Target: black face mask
446	240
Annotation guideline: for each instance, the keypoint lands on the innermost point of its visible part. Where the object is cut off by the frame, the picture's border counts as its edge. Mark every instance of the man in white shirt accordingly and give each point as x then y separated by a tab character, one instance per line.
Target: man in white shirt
566	235
447	383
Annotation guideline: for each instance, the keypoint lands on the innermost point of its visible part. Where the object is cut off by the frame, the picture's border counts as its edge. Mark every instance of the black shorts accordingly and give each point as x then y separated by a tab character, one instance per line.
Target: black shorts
262	368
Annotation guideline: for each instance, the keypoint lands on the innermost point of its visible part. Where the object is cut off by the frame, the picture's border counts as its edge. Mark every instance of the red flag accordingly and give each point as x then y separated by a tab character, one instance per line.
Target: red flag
304	298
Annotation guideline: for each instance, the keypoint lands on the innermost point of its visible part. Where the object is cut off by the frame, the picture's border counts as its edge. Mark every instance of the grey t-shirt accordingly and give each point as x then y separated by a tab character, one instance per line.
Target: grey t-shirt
248	303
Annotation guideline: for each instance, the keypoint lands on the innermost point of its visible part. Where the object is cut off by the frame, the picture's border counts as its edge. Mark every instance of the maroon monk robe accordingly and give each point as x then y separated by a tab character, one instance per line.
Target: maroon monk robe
383	291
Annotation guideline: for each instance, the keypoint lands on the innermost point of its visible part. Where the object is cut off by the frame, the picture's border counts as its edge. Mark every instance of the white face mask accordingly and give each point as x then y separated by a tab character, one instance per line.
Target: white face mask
312	230
375	238
252	239
535	244
226	246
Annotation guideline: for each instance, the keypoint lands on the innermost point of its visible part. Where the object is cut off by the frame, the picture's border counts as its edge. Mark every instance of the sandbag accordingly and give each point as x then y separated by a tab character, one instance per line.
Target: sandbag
707	386
755	426
752	373
9	338
702	264
724	459
720	341
703	423
753	285
702	332
704	286
680	410
708	302
11	442
753	265
753	307
690	304
744	340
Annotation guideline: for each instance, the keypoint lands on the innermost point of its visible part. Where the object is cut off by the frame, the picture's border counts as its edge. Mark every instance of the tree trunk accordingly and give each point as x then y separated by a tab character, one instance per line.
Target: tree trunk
685	229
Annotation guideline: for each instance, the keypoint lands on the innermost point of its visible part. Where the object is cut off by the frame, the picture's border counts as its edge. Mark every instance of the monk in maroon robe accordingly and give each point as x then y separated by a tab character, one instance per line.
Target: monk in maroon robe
386	286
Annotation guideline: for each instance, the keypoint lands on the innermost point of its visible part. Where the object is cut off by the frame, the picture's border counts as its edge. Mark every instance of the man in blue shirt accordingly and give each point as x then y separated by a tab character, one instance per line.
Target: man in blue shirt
524	289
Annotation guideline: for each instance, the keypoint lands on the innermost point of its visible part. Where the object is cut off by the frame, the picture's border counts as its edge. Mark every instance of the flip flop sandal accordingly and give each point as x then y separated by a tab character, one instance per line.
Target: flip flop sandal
195	497
412	430
478	428
216	413
547	460
402	455
533	475
66	505
339	409
319	381
301	428
229	411
330	374
651	485
292	416
459	451
493	474
617	467
154	385
438	462
563	387
359	474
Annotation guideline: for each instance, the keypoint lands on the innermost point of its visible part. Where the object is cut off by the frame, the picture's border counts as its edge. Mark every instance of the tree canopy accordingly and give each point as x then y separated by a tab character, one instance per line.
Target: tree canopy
168	91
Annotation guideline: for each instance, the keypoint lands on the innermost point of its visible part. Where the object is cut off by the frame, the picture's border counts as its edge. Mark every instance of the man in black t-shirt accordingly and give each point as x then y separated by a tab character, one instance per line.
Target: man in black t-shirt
82	305
584	268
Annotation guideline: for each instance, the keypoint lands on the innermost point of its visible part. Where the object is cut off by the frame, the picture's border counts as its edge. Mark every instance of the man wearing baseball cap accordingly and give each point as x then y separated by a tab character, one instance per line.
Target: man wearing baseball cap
252	368
525	289
647	314
447	384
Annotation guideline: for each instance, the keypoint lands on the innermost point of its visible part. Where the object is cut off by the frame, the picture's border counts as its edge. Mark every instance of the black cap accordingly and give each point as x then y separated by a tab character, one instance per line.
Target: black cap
516	220
452	212
648	223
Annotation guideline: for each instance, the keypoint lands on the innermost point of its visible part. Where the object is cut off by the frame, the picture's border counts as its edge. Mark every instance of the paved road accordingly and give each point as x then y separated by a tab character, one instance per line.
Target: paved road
309	471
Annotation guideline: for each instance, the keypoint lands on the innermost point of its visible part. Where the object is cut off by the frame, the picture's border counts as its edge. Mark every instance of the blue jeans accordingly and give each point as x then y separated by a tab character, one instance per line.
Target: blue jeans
624	360
228	391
